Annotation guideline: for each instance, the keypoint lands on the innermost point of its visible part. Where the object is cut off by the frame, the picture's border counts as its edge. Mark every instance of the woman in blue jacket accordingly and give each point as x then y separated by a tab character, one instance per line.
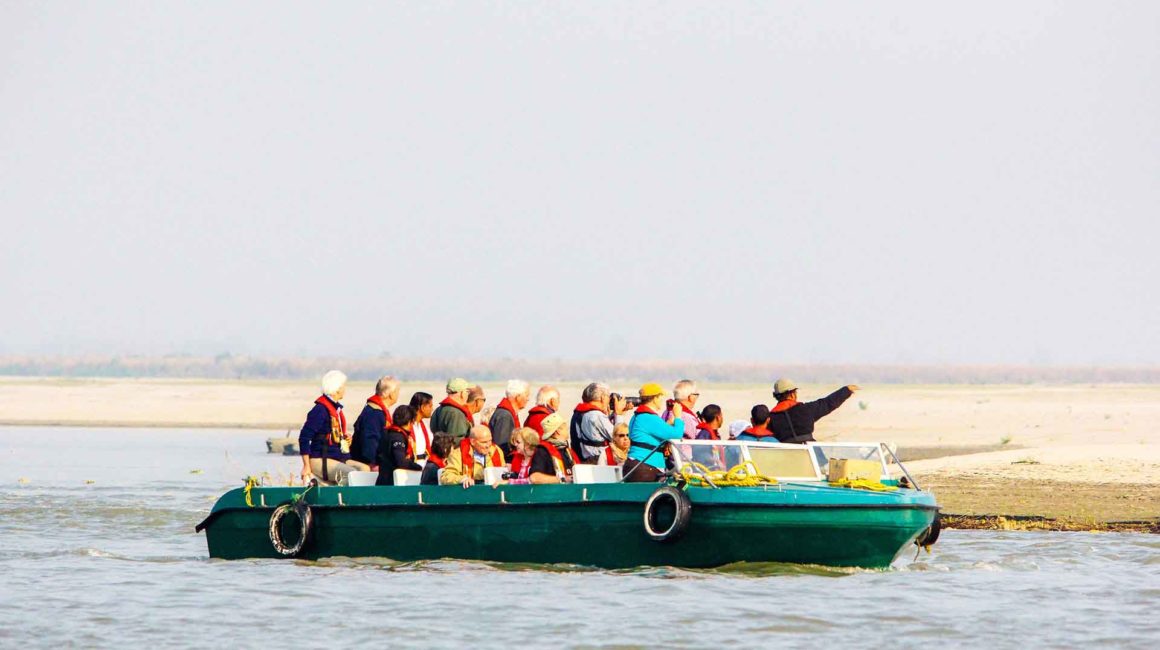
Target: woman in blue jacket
648	433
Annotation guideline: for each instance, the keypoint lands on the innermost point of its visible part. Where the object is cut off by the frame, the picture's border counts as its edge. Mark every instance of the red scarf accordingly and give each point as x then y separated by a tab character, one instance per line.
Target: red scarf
507	406
758	432
337	420
377	400
468	455
784	405
467	414
584	407
426	435
410	443
519	466
536	417
712	432
644	409
439	462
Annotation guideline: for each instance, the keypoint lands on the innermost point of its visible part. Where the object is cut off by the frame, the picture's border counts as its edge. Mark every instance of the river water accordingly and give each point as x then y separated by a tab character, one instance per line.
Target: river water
97	549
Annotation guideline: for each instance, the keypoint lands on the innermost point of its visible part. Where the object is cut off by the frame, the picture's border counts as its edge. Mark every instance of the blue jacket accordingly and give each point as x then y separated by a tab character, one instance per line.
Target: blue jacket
647	431
313	438
368	432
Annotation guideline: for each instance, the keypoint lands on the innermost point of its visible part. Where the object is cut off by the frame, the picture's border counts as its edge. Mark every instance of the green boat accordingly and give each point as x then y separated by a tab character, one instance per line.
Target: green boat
785	511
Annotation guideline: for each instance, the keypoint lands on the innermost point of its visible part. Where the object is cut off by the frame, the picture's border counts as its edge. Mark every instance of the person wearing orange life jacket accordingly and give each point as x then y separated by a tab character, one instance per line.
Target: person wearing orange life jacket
524	442
590	431
373	421
506	417
468	459
793	421
441	445
553	461
453	415
685	393
547	403
649	435
423	404
711	419
396	450
323	441
617	452
475	402
758	419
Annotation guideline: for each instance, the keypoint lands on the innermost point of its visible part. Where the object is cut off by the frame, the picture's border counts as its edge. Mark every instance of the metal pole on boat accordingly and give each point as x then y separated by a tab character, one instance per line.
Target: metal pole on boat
900	465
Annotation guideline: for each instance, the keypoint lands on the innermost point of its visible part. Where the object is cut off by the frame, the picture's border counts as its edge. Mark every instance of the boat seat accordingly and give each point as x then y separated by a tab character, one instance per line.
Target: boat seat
493	475
584	474
404	477
361	479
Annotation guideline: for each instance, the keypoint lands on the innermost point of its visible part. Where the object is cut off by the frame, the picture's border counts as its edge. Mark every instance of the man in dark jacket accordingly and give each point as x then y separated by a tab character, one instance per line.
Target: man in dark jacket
506	417
453	415
373	421
793	421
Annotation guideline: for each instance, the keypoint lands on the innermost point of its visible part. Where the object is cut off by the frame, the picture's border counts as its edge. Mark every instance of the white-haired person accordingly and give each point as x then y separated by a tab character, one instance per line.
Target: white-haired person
373	421
324	443
506	416
547	403
685	393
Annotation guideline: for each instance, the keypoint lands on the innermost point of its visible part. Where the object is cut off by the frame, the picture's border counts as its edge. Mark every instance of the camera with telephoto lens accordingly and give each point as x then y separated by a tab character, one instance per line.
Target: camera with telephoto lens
630	400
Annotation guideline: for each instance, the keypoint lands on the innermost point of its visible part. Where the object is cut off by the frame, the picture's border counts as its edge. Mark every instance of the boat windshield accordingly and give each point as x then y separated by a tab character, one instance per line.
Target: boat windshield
783	462
827	451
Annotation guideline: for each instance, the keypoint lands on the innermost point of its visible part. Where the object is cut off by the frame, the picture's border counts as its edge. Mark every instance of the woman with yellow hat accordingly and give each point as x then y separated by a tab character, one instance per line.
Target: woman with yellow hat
648	433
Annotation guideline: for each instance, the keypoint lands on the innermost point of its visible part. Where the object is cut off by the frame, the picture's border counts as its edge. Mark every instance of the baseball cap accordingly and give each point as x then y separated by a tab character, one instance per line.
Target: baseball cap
457	385
651	390
783	385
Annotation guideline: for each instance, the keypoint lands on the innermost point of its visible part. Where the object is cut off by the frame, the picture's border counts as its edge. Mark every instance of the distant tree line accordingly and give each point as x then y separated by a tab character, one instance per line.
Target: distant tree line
227	366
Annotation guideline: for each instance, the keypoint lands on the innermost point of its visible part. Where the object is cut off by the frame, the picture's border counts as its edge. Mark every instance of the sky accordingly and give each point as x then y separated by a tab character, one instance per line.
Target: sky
813	182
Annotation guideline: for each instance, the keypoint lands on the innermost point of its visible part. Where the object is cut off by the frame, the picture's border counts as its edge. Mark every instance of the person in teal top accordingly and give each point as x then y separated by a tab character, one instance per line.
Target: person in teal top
647	432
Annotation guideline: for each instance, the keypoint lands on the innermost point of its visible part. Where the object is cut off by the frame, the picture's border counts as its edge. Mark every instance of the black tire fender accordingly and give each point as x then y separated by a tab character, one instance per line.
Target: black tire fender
683	514
305	524
930	535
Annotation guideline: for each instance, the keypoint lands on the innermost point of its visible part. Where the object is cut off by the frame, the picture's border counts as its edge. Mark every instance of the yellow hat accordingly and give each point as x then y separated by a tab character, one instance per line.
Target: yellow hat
649	391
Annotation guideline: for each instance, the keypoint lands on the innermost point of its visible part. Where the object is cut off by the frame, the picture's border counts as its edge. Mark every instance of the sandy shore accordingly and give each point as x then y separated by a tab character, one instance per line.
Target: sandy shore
1083	454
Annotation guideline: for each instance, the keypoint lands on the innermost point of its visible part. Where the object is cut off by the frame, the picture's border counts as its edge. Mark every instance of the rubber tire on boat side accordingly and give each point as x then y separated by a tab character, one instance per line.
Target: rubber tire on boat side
930	535
683	513
305	523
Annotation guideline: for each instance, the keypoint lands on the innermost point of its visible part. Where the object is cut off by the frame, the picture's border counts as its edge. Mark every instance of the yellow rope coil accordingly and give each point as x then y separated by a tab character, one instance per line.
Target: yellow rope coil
743	475
863	484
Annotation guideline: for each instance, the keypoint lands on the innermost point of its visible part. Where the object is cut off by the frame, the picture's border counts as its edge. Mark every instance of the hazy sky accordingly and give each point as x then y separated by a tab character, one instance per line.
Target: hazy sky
912	182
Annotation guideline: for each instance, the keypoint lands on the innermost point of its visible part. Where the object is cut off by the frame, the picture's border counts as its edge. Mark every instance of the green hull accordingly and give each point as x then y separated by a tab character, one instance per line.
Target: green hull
597	525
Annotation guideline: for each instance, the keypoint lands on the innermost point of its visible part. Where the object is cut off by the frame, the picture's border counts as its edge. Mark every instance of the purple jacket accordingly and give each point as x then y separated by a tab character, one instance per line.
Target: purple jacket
688	417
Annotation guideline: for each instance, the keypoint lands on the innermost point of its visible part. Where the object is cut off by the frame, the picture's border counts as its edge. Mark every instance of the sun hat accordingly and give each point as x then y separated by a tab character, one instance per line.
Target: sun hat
551	424
457	385
736	427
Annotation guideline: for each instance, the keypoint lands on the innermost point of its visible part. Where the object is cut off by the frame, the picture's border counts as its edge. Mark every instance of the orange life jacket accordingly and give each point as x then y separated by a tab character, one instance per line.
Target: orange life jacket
337	420
377	400
468	455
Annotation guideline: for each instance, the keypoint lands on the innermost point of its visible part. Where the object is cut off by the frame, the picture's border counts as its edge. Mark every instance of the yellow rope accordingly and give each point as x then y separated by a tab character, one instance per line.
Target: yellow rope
863	484
251	483
743	475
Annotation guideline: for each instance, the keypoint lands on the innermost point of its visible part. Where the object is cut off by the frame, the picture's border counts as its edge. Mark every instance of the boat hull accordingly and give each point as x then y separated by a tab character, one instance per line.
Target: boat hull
597	525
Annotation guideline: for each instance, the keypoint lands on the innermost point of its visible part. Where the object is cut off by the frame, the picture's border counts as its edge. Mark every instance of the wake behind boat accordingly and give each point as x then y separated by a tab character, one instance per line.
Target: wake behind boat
723	502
